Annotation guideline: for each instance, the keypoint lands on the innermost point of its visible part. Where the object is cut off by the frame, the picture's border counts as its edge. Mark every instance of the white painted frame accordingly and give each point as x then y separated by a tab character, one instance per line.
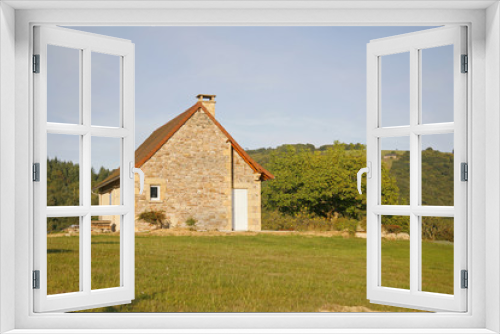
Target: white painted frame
240	202
413	43
483	19
86	43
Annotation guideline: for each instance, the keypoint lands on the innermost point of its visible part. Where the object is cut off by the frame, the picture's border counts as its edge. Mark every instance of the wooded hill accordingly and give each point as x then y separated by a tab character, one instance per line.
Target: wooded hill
263	155
437	176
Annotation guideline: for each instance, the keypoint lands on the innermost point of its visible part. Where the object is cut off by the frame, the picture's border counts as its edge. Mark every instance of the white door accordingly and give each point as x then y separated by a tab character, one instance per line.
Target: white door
420	115
240	209
71	128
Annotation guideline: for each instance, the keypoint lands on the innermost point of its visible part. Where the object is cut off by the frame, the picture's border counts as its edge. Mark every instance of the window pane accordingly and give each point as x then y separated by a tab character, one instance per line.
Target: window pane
437	170
105	251
395	89
437	254
63	170
154	192
106	157
63	85
63	255
395	259
395	170
437	84
105	89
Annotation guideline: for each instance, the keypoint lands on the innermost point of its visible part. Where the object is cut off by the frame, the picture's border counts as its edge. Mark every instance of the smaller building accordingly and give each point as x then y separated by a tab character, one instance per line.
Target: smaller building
194	170
390	156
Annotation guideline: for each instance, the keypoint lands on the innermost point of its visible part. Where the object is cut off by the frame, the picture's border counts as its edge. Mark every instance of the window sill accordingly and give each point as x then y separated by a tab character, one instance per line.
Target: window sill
246	331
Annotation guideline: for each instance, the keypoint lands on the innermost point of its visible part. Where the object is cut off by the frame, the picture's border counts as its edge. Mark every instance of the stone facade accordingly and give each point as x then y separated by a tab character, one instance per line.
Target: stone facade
196	171
111	197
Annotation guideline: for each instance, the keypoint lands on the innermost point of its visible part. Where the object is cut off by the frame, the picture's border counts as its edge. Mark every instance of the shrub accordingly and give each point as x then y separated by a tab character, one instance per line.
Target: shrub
346	224
438	228
362	223
276	221
157	218
401	221
191	222
392	228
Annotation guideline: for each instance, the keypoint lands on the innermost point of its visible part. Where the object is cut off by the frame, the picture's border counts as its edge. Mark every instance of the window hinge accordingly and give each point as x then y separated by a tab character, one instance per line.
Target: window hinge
465	279
464	171
465	64
36	172
36	63
36	279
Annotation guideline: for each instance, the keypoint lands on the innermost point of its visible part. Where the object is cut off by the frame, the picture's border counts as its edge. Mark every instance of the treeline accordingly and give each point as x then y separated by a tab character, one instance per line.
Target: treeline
316	188
437	177
63	189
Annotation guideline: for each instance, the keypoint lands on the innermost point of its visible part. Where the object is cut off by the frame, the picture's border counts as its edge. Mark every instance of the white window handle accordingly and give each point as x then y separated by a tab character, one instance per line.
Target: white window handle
368	171
141	176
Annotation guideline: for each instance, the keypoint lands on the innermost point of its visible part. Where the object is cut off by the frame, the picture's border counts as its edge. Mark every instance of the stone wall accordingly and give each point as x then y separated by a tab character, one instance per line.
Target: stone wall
193	170
115	200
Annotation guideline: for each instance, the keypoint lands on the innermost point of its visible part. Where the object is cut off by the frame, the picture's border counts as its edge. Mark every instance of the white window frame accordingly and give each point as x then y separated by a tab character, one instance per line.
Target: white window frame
86	44
414	44
158	198
483	21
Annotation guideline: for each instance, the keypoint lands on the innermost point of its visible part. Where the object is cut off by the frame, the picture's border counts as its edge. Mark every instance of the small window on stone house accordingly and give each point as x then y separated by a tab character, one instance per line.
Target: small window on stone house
154	192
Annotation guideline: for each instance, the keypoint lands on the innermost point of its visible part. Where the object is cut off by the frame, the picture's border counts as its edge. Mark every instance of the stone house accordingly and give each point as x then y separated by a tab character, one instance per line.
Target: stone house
194	169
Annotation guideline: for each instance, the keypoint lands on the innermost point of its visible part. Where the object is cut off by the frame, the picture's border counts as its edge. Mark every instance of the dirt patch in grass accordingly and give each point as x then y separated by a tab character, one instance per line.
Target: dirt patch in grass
341	308
187	232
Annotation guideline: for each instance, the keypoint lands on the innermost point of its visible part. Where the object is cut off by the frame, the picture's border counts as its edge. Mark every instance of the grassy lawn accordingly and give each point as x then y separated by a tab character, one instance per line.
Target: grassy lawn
246	273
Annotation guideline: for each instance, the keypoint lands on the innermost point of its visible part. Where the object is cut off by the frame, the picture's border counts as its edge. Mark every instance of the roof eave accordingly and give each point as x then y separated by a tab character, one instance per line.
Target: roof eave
104	184
265	175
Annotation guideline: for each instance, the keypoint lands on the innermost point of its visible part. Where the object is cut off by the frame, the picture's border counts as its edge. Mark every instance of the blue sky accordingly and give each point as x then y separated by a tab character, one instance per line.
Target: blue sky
274	85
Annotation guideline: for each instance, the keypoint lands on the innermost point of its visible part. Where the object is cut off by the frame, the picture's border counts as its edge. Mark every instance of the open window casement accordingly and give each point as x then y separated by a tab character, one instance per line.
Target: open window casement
420	125
81	292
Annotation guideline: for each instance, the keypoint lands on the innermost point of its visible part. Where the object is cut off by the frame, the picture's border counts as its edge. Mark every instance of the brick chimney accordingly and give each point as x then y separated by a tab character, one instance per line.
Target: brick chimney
208	102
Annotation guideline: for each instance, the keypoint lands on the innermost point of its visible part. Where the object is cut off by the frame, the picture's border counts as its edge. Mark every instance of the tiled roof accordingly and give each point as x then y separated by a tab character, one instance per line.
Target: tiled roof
161	135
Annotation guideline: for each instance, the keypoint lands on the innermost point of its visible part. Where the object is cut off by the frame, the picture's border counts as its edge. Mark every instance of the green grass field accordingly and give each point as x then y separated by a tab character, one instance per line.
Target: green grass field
247	273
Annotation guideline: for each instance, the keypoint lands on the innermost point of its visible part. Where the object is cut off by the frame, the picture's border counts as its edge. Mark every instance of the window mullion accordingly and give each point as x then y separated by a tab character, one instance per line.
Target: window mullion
85	174
418	157
81	172
414	171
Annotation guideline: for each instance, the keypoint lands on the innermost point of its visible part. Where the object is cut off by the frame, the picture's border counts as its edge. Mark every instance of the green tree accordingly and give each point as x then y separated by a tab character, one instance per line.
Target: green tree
320	183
